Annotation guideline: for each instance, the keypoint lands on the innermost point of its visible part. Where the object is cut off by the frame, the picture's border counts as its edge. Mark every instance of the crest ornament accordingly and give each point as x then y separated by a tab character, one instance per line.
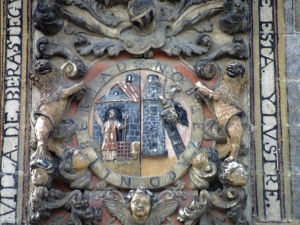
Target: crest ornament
131	89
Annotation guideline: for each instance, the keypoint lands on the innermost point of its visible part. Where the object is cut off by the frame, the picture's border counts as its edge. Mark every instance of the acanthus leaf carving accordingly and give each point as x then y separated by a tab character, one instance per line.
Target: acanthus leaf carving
44	201
85	47
98	11
176	47
74	67
136	36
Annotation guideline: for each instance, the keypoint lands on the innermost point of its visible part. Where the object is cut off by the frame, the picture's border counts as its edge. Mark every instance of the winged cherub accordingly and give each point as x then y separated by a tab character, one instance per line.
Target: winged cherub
140	208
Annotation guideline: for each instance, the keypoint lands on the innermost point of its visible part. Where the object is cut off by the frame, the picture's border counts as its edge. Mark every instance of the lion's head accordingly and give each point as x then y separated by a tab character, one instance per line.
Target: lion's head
42	67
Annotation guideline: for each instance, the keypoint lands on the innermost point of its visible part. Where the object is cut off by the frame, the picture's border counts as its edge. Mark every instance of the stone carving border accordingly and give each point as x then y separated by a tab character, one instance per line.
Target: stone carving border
269	159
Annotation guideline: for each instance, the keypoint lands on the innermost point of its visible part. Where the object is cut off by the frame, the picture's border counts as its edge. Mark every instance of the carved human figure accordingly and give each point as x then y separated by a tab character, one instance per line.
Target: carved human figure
55	96
110	139
74	169
223	103
173	114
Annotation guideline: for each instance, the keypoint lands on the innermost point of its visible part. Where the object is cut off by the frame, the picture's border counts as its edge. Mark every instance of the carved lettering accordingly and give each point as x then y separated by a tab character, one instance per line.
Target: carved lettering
11	131
11	112
190	91
177	77
121	66
107	173
195	145
81	126
160	68
85	144
139	64
172	175
125	180
12	117
104	76
155	181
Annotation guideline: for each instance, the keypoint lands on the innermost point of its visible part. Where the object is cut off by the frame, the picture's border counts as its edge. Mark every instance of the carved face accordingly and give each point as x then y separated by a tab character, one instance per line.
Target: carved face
39	177
235	173
112	114
140	206
43	67
80	160
235	69
238	177
200	160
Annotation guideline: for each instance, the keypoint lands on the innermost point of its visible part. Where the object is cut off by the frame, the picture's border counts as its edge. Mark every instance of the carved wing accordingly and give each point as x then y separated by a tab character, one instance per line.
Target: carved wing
119	210
161	211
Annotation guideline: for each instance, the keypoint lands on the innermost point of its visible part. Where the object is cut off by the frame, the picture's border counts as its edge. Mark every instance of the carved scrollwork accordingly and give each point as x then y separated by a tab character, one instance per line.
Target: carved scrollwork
175	28
73	68
44	201
74	169
231	200
236	49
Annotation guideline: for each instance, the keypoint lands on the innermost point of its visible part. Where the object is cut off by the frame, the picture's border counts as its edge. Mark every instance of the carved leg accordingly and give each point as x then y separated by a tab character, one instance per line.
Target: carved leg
223	152
54	148
236	131
42	131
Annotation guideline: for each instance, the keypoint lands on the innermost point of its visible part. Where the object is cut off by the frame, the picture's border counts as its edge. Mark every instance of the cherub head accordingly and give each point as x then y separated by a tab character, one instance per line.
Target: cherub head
233	174
76	159
41	177
200	160
140	203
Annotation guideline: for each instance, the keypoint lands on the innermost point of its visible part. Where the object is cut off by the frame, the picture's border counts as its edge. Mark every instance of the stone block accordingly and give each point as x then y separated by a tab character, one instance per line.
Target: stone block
295	180
294	148
297	15
293	90
292	56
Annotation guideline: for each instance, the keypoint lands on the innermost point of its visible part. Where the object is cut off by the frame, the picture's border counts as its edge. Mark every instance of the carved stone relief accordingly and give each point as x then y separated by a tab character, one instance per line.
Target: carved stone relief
140	96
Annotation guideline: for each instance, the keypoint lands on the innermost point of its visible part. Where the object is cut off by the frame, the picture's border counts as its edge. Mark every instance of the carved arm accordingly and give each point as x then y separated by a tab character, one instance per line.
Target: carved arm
73	90
203	89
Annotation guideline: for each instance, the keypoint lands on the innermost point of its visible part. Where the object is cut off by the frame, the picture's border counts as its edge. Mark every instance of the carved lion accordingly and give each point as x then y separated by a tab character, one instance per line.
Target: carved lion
54	102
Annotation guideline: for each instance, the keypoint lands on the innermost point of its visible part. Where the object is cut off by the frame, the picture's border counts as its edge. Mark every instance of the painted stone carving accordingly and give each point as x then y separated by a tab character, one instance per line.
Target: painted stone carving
154	135
139	26
74	169
224	104
140	207
55	95
44	201
158	129
110	127
136	117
